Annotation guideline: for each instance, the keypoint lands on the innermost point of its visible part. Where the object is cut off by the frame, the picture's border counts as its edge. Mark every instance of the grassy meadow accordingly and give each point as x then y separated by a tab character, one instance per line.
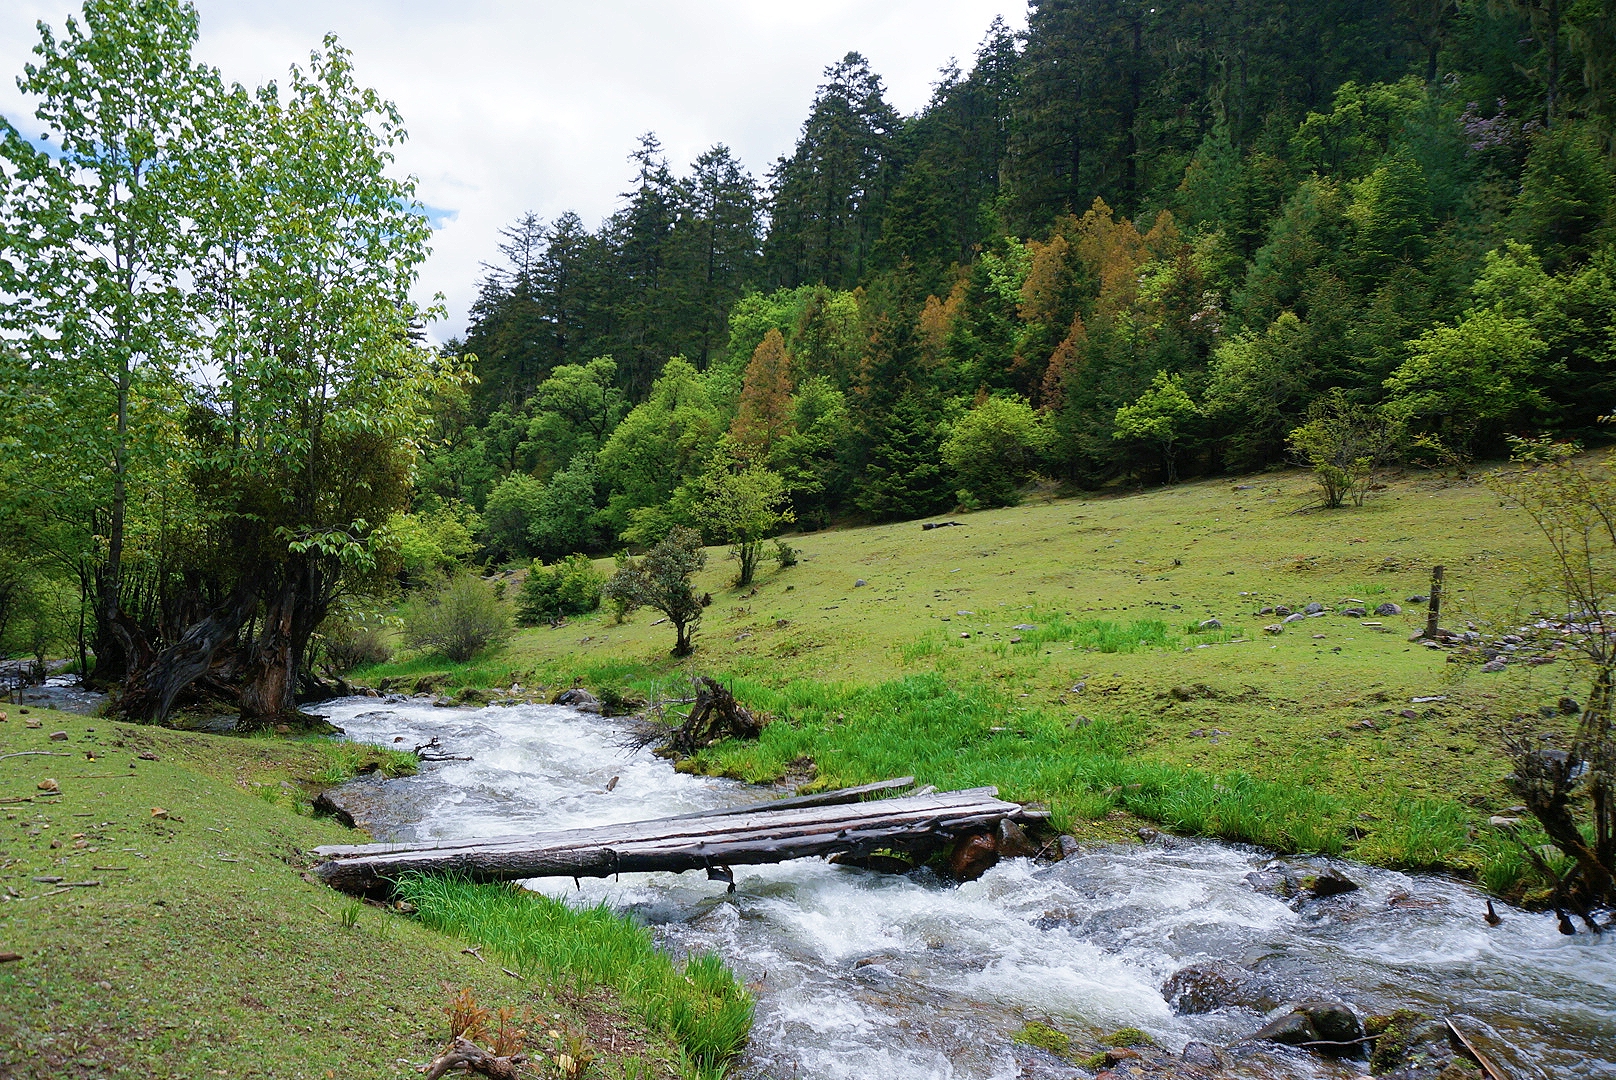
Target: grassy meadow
1056	649
203	950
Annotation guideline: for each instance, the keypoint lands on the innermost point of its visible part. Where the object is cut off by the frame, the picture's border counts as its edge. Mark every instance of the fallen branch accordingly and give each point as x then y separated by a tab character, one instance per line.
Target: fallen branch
467	1055
34	753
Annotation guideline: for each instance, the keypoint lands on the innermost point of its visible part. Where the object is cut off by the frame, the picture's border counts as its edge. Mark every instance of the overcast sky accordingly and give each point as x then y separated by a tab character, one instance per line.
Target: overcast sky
535	105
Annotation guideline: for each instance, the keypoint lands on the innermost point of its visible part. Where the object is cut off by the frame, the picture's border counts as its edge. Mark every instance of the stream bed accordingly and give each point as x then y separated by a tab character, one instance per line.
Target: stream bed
882	977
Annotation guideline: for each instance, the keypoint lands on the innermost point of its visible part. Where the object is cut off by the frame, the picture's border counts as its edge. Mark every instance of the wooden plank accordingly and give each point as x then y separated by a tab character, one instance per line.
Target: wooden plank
683	825
751	835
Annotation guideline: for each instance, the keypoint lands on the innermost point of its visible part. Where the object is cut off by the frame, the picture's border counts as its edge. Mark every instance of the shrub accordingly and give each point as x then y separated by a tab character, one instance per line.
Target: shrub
661	580
348	642
569	587
784	554
993	449
460	619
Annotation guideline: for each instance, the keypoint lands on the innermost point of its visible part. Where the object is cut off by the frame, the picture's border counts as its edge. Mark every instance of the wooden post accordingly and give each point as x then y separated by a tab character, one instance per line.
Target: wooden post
1434	609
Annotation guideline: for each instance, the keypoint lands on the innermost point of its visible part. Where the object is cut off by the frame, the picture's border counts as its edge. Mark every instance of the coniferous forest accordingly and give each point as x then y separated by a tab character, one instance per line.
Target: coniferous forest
1132	244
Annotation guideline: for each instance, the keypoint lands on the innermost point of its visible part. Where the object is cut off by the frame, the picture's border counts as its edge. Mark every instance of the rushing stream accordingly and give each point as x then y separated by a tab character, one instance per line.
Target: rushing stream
872	976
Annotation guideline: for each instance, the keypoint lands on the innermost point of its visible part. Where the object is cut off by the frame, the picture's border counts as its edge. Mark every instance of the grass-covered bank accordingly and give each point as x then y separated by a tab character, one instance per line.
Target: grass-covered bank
203	951
1076	626
698	1003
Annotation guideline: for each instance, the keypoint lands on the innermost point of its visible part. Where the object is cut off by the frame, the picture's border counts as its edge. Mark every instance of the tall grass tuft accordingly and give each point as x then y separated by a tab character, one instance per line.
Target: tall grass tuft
701	1006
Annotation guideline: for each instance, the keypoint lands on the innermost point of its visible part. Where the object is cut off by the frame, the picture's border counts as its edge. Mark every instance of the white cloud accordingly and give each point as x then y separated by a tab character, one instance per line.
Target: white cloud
517	106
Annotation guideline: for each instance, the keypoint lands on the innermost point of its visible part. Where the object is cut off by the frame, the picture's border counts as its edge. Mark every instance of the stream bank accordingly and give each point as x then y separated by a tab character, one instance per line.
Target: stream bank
869	975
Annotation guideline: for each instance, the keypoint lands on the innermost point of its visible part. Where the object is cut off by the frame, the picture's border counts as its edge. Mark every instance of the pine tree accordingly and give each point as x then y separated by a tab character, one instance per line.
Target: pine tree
764	417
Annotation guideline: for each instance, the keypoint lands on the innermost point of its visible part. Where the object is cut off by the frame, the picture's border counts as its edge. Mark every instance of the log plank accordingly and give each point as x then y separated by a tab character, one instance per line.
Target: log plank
748	836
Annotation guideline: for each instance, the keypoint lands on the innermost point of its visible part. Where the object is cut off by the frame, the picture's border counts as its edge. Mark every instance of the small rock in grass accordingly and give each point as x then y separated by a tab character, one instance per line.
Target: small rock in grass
1569	706
1314	608
1388	608
32	723
1508	824
1354	612
1211	624
58	736
49	784
1295	616
1274	628
860	583
1495	665
1281	610
1418	599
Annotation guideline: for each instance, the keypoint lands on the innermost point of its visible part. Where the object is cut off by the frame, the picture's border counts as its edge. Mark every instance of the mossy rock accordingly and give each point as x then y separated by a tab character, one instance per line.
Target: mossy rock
1043	1037
1095	1062
1393	1039
1127	1037
431	682
470	695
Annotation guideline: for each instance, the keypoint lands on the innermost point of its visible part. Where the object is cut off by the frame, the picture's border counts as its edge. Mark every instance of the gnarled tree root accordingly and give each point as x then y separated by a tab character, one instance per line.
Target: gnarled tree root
467	1056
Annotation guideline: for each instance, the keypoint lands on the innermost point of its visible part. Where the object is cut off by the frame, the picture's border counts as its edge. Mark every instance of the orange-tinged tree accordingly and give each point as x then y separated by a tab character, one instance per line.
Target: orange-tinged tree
764	417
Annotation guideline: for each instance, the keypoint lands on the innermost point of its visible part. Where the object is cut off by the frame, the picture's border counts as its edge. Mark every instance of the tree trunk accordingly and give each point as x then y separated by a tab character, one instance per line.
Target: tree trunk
269	686
150	690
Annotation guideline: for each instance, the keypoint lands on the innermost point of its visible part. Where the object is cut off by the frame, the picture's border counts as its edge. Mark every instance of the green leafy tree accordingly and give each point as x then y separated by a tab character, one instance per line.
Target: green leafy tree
99	237
1464	381
509	515
742	505
1343	443
666	440
661	579
563	518
1258	384
993	449
1159	418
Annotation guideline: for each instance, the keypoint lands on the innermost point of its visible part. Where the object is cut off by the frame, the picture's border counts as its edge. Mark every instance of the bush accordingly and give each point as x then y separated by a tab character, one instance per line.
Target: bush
460	619
348	642
785	554
569	587
993	449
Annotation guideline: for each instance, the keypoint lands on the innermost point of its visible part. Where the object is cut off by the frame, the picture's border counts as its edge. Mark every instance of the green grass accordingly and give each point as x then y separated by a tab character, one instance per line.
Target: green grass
1225	732
700	1005
203	951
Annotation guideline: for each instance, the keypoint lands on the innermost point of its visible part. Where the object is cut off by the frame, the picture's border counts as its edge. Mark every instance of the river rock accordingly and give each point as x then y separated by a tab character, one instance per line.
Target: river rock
1312	1022
579	699
1331	882
1203	988
972	856
1012	842
1204	1056
1388	608
1275	880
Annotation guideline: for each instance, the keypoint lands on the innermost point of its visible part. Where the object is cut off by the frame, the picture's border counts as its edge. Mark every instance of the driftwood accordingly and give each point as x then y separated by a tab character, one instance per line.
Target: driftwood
712	841
467	1056
714	715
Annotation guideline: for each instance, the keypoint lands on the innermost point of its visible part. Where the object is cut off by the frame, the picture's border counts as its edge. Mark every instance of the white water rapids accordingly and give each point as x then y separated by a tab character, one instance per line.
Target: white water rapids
880	977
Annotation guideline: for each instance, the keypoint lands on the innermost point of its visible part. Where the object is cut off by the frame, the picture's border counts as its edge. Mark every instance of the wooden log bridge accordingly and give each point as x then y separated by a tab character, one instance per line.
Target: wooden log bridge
825	824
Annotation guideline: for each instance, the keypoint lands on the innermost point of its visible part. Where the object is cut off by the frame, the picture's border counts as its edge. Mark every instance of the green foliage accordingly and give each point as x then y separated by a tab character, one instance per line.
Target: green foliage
435	542
1159	417
701	1005
993	449
741	505
661	580
510	513
460	619
349	639
1343	444
1464	381
571	586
